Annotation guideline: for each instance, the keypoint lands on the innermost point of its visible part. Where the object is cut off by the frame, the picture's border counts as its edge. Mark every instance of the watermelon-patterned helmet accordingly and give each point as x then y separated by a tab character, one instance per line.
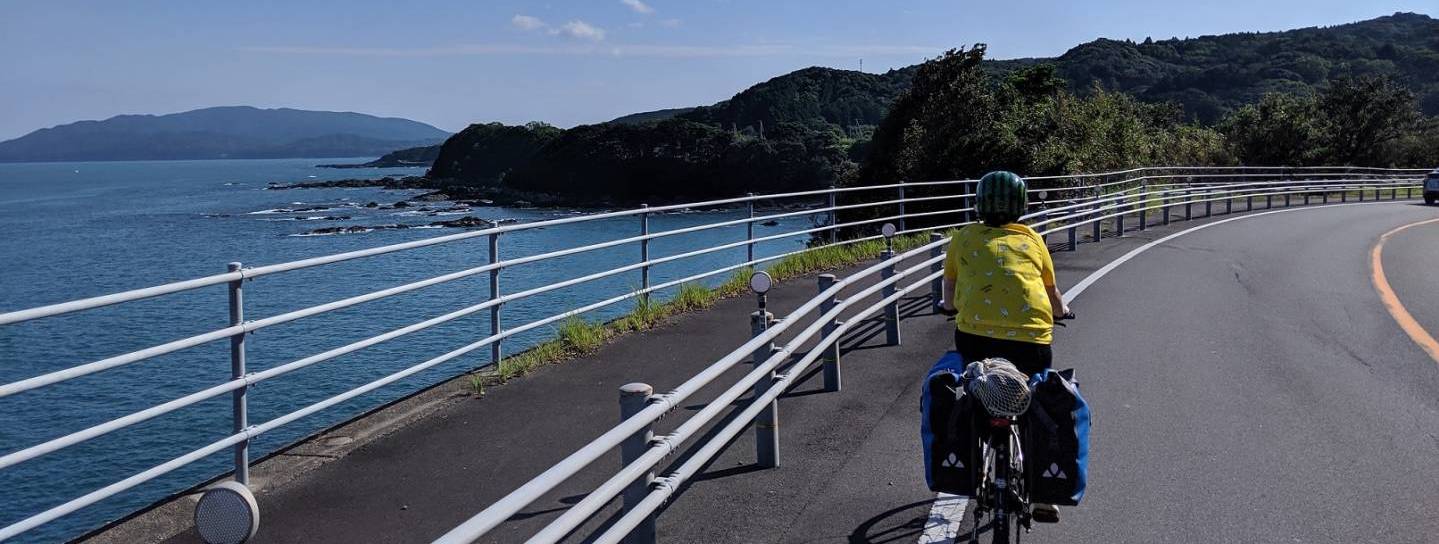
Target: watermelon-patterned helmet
1000	197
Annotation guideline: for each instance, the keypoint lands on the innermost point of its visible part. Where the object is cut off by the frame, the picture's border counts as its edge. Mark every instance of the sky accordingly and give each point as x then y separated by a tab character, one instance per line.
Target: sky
451	63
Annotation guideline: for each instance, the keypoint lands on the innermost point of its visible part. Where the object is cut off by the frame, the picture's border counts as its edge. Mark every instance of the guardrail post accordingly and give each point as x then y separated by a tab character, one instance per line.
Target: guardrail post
1287	194
1097	226
645	247
239	408
891	310
1361	193
1188	204
1143	207
1119	220
495	352
1249	203
1073	237
1268	201
1208	204
1164	208
766	425
749	230
936	286
831	352
1228	203
1306	198
1324	196
1344	194
633	398
833	217
901	205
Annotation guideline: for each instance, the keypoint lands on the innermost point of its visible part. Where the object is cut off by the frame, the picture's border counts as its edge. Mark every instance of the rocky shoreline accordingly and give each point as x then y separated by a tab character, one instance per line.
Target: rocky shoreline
447	190
466	222
482	195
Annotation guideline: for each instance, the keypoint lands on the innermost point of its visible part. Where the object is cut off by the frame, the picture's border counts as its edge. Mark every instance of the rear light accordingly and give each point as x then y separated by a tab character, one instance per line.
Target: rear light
999	422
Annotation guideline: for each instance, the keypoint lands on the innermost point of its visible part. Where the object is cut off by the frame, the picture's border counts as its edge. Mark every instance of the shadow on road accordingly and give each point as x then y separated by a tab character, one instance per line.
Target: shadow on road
899	524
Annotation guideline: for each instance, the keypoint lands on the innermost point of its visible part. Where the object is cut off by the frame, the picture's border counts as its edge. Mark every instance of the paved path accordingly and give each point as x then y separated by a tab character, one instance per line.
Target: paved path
1247	383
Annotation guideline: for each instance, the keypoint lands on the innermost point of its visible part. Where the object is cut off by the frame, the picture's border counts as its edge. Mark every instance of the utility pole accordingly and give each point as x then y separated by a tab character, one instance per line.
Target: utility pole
861	64
761	129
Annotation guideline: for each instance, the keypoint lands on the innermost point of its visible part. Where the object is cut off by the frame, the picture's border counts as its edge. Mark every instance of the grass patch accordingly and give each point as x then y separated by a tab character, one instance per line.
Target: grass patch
520	364
736	284
582	336
693	296
840	255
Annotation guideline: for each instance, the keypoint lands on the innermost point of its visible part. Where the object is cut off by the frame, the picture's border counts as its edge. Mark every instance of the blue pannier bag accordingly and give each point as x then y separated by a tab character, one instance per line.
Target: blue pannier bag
1056	439
948	424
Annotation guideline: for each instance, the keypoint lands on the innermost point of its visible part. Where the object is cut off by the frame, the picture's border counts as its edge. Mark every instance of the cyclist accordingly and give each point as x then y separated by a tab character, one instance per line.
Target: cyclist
999	284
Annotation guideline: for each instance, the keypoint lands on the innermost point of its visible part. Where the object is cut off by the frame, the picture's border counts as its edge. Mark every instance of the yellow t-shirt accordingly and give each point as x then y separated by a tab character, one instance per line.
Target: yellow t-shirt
1000	276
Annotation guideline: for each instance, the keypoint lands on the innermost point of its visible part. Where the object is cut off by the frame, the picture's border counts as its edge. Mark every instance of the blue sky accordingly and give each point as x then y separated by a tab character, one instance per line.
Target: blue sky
451	63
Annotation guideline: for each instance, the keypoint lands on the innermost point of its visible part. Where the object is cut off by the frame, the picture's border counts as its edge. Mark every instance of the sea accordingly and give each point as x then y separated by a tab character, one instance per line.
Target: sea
82	229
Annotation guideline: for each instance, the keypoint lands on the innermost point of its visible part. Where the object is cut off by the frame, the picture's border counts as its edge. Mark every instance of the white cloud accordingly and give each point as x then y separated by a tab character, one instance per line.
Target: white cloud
526	22
639	6
580	30
670	23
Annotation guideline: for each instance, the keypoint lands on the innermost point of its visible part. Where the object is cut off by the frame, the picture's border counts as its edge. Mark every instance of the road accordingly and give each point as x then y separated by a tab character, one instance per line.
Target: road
1247	383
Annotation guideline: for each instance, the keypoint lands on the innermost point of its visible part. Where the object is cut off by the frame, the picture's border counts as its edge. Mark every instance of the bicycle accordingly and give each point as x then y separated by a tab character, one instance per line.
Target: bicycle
1002	491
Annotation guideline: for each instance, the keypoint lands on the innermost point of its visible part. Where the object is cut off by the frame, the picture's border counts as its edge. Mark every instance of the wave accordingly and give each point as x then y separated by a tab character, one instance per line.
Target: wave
310	209
309	218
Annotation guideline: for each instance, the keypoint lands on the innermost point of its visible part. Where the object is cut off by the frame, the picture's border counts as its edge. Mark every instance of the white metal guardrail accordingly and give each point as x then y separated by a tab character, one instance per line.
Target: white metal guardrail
1096	201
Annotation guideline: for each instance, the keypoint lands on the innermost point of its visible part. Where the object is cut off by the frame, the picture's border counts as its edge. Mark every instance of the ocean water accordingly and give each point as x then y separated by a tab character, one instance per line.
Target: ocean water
74	230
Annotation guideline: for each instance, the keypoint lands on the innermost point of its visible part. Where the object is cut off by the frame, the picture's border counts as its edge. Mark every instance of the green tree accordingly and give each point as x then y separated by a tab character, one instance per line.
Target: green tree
1363	118
1280	130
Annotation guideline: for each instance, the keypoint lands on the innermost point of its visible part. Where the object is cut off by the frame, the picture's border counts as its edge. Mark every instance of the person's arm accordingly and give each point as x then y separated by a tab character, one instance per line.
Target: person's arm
947	303
951	275
1056	301
1046	272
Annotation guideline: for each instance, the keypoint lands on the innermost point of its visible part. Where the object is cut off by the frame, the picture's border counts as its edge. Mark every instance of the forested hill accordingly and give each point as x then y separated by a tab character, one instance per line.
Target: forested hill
813	96
1213	75
1103	104
231	132
1208	75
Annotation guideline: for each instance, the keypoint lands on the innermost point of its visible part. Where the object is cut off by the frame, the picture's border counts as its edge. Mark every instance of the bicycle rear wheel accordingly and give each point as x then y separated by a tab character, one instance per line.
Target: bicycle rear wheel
999	528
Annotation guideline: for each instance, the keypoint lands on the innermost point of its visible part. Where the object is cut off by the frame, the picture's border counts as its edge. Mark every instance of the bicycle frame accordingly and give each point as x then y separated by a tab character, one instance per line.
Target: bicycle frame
1002	488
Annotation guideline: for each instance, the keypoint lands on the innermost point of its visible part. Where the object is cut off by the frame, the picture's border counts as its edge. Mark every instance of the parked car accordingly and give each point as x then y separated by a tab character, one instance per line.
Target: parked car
1431	187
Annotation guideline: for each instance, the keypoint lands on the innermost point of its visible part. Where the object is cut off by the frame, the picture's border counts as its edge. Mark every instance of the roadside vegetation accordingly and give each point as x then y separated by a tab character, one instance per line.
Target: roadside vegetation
576	336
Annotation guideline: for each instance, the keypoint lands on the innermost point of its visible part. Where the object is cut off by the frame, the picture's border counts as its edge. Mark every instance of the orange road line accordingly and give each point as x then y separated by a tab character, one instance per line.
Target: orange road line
1391	301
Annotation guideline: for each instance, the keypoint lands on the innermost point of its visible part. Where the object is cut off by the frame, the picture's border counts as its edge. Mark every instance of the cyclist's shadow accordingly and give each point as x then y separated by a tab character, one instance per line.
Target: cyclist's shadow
904	524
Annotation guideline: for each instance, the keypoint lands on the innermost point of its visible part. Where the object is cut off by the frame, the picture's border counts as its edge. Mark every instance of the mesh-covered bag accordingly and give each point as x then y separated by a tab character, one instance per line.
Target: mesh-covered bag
999	386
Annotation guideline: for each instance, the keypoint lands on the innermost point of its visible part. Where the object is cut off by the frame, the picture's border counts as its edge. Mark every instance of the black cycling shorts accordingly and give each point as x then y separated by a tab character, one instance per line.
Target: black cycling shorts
1029	357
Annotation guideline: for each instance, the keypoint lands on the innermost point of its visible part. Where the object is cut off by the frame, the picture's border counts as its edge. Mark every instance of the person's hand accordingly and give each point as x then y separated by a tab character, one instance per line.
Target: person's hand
1063	313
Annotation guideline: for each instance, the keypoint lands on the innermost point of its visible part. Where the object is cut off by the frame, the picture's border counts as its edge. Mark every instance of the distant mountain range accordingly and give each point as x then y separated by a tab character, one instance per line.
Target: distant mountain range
233	132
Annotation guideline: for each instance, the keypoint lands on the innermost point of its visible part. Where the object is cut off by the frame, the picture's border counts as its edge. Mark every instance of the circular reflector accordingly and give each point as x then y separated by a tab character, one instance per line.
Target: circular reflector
888	230
760	282
227	514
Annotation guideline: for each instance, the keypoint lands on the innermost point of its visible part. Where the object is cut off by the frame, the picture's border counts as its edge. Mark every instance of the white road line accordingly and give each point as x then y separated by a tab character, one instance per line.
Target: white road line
945	516
1106	269
947	513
